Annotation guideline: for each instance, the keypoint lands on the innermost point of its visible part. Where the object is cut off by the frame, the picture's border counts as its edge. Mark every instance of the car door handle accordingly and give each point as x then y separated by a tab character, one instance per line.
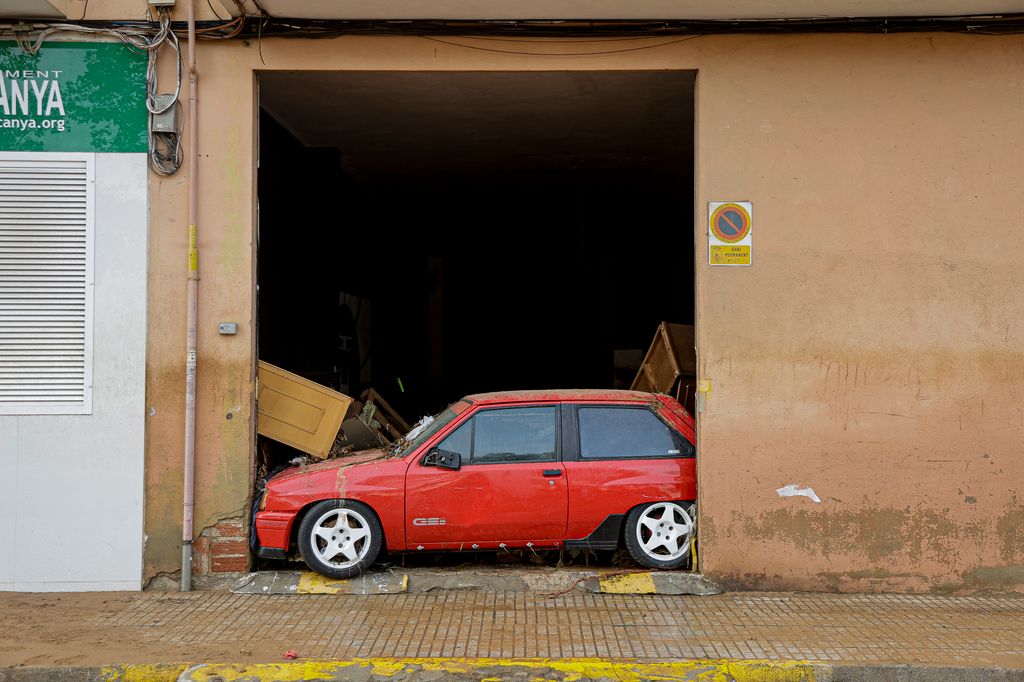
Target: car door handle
552	472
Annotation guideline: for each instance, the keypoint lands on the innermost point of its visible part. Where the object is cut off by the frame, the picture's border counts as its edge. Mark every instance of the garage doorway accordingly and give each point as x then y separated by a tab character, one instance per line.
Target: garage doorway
435	234
438	234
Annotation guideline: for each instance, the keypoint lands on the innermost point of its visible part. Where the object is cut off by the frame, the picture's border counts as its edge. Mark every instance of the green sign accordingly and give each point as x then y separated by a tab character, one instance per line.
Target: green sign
73	97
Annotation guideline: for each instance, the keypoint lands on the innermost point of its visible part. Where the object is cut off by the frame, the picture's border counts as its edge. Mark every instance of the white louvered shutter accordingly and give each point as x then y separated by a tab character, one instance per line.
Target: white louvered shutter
46	234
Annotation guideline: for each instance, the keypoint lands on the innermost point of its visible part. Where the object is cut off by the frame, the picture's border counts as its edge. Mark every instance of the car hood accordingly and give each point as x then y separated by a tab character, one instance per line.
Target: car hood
345	461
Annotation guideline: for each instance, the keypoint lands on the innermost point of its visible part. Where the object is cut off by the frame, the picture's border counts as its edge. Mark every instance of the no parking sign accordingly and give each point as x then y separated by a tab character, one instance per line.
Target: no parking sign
729	226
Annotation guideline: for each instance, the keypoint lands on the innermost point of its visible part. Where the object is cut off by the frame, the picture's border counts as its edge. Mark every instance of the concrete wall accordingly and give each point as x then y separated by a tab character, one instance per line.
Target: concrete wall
71	486
874	351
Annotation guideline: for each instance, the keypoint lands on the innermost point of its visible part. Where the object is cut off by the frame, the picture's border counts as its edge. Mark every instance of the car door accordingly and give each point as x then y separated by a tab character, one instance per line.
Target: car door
619	456
510	489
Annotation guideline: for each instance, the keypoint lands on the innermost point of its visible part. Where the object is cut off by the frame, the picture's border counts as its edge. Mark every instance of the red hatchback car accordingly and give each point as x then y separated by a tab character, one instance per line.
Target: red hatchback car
523	469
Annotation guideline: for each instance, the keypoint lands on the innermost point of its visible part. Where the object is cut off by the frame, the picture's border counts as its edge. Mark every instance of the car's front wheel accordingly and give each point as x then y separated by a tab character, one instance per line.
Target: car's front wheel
658	535
340	538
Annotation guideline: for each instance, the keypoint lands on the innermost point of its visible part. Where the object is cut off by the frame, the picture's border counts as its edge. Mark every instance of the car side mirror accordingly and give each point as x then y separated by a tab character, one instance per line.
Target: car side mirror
445	459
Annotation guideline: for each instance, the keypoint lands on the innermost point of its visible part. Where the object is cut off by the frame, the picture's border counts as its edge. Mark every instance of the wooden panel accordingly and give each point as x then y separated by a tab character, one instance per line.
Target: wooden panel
298	412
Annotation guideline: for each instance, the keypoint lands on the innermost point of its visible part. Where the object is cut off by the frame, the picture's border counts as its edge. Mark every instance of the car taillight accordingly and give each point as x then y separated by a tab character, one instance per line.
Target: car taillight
263	500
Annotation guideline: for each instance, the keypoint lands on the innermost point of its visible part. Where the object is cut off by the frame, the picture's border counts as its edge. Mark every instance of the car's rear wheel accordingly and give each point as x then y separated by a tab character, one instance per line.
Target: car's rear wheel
658	535
340	538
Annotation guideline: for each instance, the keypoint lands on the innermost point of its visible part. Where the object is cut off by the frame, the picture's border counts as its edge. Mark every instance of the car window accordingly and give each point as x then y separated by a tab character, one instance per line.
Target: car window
460	440
623	432
518	434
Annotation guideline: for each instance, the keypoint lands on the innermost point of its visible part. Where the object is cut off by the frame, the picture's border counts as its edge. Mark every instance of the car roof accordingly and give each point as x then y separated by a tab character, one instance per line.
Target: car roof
561	394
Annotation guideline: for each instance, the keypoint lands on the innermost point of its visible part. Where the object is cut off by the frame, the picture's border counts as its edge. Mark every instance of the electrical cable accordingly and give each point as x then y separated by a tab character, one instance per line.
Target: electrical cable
254	26
165	151
165	148
1003	24
167	36
542	40
238	23
563	54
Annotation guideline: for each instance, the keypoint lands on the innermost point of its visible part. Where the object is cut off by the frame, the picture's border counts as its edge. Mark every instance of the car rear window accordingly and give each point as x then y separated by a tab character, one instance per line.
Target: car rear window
624	432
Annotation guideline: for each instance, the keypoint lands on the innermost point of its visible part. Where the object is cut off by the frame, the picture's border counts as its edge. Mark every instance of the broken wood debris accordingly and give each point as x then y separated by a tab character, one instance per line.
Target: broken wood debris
320	421
670	365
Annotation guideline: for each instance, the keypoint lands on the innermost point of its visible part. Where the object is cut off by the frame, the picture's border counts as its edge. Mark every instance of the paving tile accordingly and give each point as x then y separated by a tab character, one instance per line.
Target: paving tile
924	629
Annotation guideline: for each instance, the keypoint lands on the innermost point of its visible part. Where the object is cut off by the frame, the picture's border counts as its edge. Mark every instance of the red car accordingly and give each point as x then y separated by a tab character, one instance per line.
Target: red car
523	469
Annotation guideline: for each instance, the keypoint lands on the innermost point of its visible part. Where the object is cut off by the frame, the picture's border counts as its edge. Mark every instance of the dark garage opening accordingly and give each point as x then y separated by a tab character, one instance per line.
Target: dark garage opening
432	235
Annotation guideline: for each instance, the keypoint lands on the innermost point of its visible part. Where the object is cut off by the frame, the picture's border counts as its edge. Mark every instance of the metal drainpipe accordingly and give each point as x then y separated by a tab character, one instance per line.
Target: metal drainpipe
193	304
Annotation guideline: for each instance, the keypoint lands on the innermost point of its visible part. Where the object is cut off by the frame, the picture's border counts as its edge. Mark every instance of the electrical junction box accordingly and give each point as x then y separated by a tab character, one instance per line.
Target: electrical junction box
167	121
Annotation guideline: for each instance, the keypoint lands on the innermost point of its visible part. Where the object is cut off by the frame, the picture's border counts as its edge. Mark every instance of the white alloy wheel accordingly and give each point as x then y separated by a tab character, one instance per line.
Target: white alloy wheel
340	538
663	531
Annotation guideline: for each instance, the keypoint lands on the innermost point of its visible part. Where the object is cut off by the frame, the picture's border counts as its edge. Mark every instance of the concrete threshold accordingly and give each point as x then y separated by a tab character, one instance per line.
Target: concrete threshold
538	581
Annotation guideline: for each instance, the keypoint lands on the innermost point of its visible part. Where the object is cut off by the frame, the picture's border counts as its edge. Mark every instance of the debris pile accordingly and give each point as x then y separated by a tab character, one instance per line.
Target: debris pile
319	421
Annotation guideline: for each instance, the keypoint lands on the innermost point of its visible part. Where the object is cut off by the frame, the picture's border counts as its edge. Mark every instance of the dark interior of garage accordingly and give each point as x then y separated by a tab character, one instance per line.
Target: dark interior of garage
432	235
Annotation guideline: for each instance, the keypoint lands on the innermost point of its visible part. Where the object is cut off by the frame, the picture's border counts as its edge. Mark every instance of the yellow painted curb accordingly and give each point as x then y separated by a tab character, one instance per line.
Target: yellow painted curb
307	582
569	669
314	583
630	583
650	582
159	672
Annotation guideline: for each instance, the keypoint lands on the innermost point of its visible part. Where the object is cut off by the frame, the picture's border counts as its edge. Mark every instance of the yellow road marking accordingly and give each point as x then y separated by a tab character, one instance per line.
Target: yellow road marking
158	672
488	669
630	583
314	583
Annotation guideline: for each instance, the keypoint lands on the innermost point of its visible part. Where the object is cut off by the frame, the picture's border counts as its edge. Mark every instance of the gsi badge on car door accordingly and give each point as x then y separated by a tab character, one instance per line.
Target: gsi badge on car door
510	487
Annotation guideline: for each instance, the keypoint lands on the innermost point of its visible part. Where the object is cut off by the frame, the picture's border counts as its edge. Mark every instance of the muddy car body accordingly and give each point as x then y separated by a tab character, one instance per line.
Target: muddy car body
523	469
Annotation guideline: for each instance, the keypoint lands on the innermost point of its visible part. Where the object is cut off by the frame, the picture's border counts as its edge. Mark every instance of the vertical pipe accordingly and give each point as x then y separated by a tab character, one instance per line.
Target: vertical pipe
193	305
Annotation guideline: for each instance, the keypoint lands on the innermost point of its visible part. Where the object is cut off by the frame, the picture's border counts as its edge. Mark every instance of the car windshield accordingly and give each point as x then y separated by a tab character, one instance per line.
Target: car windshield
422	432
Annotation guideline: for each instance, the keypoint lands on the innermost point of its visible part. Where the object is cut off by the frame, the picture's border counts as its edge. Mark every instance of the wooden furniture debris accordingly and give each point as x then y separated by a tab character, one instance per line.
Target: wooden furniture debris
670	365
298	412
386	413
372	423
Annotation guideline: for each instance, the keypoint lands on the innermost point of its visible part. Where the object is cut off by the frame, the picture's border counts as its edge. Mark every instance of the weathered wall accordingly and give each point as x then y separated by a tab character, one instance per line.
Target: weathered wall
225	374
874	350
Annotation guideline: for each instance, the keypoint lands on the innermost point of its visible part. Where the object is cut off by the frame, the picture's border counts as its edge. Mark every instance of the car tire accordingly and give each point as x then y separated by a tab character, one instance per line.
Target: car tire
340	538
658	535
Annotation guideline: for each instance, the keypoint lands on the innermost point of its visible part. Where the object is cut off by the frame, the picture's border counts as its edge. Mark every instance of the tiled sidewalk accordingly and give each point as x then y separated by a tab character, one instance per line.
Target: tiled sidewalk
170	627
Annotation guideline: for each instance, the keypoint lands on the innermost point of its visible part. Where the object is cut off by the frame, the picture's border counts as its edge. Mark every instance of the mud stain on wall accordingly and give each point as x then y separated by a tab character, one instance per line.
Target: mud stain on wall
1010	529
997	578
878	533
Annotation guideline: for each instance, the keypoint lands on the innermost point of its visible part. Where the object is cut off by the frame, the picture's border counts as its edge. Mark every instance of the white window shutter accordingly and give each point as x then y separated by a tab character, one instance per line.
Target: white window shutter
46	283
